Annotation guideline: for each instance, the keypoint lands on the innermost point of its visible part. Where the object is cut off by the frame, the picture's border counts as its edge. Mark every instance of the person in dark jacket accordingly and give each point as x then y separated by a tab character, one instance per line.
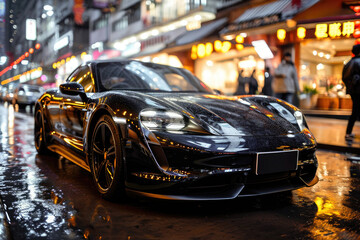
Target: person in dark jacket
253	84
242	81
267	89
351	78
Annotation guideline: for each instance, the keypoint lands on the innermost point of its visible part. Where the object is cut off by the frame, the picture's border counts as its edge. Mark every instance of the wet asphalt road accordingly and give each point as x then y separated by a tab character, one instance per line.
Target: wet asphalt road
46	198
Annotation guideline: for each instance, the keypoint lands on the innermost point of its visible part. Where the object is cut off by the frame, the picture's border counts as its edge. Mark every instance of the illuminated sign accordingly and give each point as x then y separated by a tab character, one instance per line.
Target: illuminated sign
30	29
63	42
333	30
2	8
262	49
202	50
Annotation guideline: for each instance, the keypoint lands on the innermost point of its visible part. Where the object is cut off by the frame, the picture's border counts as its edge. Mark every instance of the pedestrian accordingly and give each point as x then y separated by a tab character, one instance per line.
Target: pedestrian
267	89
240	90
253	84
286	84
351	79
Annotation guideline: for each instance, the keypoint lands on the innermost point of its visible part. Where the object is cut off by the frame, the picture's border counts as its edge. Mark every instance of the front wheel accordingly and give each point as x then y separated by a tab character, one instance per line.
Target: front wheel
106	159
39	134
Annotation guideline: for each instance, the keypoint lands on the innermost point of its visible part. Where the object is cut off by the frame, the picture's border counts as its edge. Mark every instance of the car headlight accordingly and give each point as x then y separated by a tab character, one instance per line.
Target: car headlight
167	120
162	120
300	120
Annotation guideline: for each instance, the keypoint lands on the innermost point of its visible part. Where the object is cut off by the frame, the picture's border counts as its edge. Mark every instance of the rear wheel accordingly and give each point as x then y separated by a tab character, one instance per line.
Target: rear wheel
106	159
39	134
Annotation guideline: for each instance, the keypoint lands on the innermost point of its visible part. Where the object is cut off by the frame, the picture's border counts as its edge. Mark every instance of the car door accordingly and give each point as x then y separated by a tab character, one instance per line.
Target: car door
74	108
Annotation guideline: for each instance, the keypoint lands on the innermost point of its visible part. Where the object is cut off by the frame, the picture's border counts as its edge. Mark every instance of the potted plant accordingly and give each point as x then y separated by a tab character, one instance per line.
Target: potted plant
308	97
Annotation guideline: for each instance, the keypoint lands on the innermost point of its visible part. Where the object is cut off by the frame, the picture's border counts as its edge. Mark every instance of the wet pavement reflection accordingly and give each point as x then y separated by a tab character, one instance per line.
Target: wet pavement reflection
47	198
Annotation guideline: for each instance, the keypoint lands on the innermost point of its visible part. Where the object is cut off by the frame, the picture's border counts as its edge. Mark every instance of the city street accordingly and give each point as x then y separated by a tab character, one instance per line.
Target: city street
44	197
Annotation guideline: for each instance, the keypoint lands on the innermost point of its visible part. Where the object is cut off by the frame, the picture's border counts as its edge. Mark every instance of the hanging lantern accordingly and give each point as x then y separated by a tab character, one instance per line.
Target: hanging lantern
239	39
301	32
281	34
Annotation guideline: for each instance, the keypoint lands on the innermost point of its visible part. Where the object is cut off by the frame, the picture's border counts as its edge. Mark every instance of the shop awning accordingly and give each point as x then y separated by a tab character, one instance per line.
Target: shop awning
128	3
204	31
270	13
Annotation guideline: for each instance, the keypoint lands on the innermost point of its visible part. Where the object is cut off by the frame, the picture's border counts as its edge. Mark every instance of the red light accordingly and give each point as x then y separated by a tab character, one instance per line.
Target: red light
355	8
31	50
37	46
357	24
26	54
356	34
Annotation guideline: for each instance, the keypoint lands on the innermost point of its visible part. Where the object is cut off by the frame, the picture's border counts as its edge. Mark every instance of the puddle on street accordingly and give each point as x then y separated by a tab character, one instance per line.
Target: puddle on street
45	199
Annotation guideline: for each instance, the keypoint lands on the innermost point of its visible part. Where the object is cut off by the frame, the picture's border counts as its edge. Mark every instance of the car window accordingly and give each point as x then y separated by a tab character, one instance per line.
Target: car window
135	75
83	76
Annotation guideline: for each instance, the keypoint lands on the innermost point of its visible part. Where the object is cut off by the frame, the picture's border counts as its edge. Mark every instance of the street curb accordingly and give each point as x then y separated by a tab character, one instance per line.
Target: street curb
338	148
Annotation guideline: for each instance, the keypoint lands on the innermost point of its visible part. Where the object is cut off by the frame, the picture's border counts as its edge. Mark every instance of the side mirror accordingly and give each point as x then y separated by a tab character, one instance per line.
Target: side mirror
72	88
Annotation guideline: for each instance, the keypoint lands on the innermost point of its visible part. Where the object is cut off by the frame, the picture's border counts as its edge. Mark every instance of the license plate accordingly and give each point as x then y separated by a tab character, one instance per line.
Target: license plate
275	162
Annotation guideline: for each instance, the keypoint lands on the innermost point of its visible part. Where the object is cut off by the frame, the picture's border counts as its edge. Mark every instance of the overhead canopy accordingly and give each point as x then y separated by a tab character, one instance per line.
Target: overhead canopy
204	31
128	3
270	13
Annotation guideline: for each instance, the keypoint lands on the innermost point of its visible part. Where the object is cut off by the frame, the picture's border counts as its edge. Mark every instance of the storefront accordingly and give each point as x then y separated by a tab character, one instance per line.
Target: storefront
324	40
323	54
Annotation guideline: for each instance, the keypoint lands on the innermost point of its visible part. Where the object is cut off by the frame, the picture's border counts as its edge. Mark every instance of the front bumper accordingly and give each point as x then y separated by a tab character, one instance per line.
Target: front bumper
218	167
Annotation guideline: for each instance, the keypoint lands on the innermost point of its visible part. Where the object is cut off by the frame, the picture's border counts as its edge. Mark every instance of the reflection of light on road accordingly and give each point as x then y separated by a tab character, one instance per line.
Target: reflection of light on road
325	207
32	184
11	125
330	196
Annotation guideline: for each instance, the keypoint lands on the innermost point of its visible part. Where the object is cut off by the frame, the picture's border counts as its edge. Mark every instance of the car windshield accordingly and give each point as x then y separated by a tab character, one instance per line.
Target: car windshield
147	77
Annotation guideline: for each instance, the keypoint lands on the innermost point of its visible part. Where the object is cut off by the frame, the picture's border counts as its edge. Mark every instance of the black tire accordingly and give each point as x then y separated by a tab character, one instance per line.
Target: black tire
39	134
105	155
21	106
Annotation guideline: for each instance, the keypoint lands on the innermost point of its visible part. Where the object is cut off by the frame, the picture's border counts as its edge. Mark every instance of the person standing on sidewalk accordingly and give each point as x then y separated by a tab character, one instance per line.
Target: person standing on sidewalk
267	89
242	81
286	84
351	79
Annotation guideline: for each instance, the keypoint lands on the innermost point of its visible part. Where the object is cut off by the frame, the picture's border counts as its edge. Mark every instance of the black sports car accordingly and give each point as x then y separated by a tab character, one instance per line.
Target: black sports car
158	131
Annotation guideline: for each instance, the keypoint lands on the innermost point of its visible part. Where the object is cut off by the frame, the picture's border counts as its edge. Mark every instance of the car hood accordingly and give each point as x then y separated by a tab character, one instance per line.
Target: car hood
231	115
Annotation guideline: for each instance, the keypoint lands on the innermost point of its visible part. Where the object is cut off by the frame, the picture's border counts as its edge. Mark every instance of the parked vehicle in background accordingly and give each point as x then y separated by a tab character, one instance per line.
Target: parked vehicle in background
9	93
2	93
26	95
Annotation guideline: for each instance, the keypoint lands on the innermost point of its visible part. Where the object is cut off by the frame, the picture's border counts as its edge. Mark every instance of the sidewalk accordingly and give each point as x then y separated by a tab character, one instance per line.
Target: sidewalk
330	134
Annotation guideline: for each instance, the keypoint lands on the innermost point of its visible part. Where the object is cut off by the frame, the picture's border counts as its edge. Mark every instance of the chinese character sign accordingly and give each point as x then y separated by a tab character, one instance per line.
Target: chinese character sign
333	30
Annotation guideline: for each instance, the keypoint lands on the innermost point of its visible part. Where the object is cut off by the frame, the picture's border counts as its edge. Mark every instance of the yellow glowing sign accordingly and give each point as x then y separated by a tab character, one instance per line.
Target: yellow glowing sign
203	50
321	30
348	28
281	34
301	32
333	30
